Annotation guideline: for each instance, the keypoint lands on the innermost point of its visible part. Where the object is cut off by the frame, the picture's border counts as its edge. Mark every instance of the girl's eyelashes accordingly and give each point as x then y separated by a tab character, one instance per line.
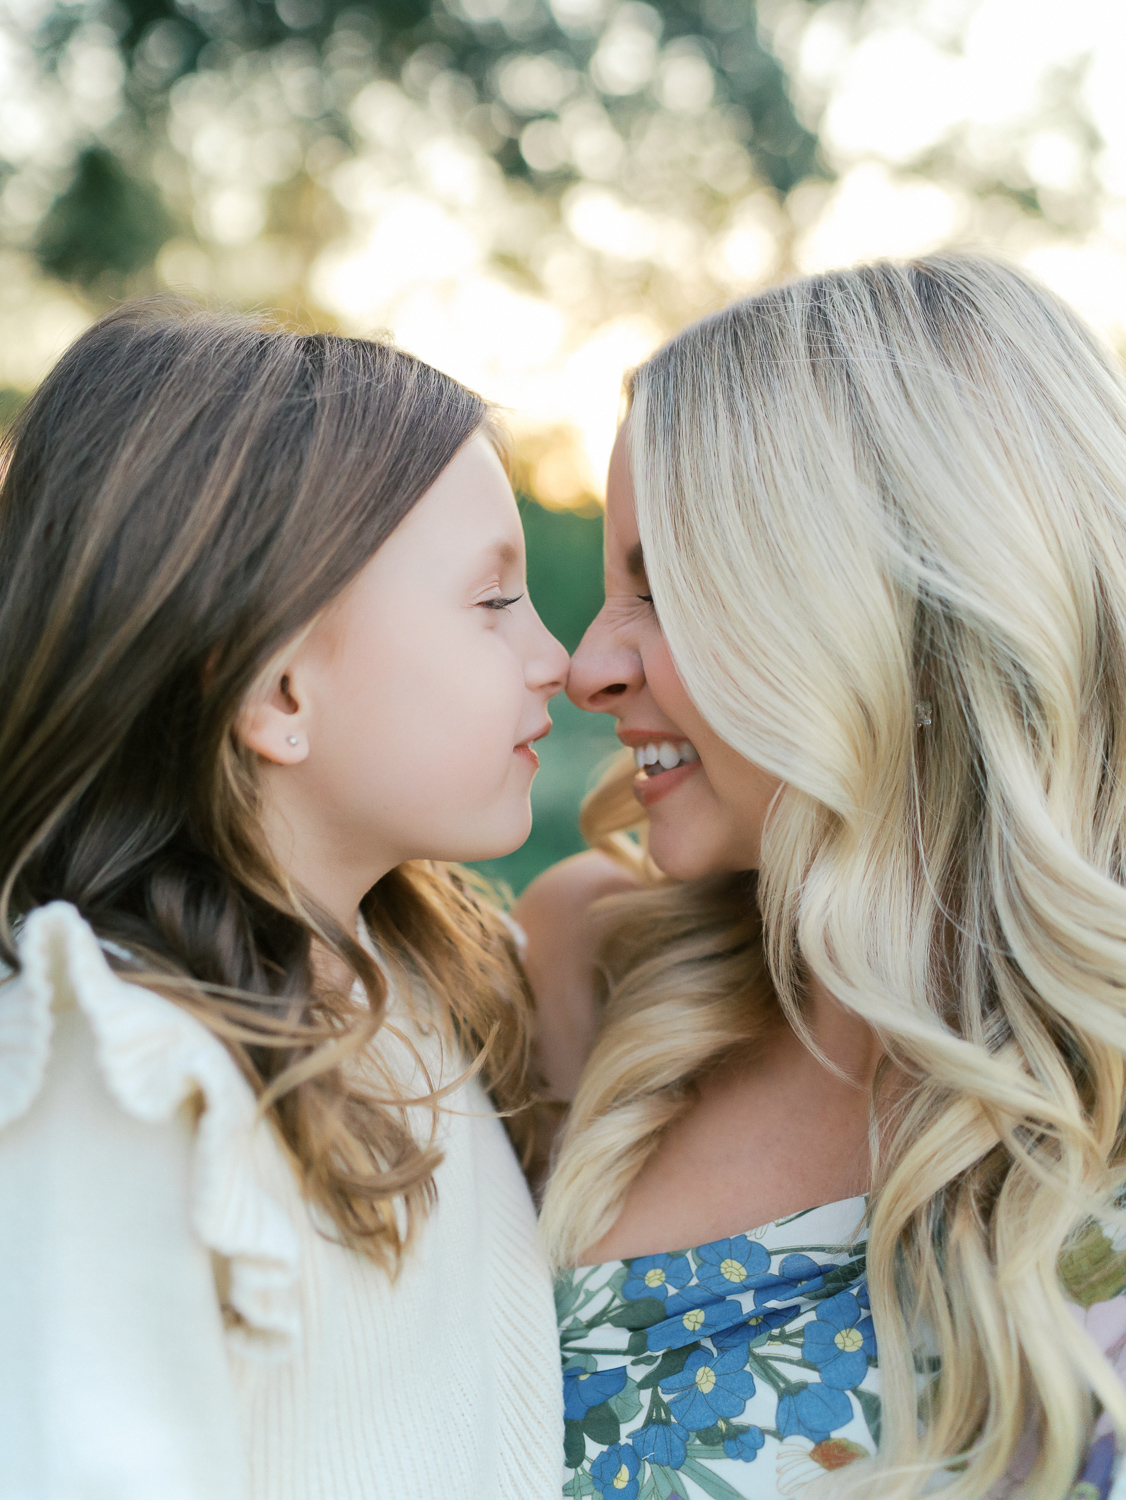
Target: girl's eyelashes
501	603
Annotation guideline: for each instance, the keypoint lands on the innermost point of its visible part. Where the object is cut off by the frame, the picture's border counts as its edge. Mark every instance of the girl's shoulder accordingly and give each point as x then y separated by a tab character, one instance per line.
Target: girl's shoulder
561	957
67	1009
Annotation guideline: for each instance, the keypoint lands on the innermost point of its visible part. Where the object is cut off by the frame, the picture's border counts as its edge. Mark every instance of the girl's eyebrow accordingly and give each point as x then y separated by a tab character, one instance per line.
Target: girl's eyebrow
502	553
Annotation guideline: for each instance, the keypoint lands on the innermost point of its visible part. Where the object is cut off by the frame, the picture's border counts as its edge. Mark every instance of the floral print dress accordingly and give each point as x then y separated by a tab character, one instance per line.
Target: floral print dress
744	1369
740	1370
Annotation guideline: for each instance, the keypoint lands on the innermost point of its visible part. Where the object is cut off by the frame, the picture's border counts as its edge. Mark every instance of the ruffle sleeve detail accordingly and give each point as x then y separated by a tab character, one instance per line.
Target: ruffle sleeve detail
155	1057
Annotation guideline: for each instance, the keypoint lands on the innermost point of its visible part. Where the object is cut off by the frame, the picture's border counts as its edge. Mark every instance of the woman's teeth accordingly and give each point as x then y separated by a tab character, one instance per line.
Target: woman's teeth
655	758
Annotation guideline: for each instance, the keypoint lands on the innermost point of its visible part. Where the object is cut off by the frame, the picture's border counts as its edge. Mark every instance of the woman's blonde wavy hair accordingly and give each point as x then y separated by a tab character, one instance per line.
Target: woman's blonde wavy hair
881	487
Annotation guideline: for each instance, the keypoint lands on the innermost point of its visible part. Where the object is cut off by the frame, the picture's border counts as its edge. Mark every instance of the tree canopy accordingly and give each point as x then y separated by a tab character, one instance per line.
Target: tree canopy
508	69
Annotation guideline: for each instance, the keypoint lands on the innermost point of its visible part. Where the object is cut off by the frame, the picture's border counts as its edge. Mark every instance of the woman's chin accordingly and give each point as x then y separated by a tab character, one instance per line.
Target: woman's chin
682	858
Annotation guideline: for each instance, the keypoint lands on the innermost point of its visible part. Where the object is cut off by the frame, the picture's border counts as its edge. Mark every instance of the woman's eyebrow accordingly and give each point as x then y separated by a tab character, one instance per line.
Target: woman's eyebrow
635	561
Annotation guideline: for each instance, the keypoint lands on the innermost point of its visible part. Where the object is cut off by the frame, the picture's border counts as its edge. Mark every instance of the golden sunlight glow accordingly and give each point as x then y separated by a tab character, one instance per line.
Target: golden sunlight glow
997	123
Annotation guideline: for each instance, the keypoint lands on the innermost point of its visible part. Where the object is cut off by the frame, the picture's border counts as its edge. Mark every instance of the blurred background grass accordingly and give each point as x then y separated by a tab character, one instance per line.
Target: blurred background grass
533	194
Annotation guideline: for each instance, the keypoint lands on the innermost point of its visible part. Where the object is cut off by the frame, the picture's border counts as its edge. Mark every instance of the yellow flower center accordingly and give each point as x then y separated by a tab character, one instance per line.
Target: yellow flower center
654	1277
849	1340
693	1319
732	1270
705	1379
621	1478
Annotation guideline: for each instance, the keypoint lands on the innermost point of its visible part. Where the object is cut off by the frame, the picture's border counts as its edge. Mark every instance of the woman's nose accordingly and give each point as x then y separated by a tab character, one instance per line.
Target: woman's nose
603	669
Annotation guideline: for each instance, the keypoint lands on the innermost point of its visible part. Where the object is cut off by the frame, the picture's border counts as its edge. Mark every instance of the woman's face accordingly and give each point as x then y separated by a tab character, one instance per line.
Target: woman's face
402	726
706	803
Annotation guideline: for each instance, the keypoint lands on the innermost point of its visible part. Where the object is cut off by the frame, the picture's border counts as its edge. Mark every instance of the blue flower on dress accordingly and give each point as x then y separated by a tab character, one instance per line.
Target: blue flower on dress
798	1276
813	1412
709	1387
754	1325
583	1389
662	1443
735	1265
839	1342
615	1472
656	1276
693	1314
746	1445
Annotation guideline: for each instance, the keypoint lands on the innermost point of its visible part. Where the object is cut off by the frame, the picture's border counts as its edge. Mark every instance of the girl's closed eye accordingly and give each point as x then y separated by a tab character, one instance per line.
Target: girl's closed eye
501	603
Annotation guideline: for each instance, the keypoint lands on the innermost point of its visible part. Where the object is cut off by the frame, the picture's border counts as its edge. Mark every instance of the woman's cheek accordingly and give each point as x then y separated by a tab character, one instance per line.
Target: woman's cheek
665	685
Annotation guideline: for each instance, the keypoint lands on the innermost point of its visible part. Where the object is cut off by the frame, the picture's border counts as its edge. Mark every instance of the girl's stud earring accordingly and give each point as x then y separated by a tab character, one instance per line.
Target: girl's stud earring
291	739
922	714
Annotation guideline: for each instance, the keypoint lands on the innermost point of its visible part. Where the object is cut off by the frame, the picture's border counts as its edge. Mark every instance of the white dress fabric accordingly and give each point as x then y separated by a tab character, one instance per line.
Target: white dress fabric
174	1325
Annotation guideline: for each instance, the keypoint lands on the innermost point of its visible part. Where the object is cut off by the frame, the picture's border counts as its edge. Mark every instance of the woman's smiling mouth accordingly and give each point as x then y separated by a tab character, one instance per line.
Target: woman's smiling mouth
659	756
663	763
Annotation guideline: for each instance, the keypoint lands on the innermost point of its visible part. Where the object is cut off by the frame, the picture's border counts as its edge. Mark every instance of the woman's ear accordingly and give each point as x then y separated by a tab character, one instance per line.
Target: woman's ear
274	723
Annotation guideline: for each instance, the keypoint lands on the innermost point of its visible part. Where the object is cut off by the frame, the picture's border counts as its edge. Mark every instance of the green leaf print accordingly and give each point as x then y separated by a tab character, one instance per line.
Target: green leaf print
565	1294
709	1481
638	1342
640	1314
870	1406
670	1363
627	1403
574	1444
601	1425
578	1486
665	1482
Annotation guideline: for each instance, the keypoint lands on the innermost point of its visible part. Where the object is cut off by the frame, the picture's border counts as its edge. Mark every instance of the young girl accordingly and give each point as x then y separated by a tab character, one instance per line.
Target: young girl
266	660
865	633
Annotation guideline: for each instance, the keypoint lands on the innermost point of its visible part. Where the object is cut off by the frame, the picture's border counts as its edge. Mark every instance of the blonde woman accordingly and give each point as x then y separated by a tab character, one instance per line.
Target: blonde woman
865	638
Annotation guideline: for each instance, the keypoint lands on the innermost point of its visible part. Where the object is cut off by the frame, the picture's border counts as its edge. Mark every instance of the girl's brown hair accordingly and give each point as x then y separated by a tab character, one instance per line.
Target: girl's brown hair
181	497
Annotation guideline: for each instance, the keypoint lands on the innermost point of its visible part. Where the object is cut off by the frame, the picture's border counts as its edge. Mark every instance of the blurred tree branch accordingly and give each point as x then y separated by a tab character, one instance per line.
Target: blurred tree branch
505	68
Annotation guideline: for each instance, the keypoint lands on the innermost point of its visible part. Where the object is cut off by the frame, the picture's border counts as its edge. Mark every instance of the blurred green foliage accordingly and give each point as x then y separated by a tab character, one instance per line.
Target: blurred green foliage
116	207
564	567
10	402
106	221
565	583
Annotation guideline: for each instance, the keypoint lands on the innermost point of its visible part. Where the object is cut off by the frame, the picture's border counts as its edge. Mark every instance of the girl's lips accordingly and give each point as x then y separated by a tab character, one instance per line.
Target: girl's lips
650	789
527	753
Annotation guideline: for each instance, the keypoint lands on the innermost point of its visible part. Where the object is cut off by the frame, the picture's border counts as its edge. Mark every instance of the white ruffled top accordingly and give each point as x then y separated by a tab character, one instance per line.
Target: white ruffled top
173	1323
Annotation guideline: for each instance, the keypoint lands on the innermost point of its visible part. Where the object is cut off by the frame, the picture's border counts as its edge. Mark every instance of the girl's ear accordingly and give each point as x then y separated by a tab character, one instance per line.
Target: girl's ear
274	723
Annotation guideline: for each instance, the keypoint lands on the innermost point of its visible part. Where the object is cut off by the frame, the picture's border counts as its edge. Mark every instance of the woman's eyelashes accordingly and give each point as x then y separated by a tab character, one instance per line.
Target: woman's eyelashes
646	598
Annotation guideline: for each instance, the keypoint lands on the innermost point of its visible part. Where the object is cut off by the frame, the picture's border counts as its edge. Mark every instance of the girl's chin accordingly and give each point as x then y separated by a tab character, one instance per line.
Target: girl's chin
506	837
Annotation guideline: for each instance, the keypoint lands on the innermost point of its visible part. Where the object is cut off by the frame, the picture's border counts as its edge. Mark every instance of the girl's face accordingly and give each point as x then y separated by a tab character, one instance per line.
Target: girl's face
706	803
403	725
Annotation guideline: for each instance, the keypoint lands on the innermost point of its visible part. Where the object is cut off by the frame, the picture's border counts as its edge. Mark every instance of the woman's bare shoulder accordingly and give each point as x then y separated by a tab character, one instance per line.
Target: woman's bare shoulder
568	889
561	956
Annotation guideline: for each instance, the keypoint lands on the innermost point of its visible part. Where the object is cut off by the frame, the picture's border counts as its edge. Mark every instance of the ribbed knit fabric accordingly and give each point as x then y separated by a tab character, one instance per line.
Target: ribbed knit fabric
143	1205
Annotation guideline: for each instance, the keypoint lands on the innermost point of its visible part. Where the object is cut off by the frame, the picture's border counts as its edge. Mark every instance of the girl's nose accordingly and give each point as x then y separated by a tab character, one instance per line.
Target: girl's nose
603	669
547	668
